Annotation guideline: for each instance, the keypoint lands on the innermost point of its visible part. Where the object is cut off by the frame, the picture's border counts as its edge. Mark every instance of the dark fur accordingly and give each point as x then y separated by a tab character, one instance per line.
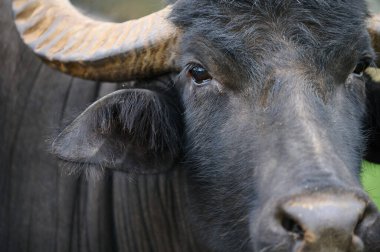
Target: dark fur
372	122
266	55
322	30
282	114
282	118
132	129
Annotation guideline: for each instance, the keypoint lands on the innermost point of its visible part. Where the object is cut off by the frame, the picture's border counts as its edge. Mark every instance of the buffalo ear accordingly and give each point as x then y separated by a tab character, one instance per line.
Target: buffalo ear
372	125
134	130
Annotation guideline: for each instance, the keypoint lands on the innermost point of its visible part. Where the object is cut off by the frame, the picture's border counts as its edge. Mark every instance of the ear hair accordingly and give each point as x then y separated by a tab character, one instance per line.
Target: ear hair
135	130
143	118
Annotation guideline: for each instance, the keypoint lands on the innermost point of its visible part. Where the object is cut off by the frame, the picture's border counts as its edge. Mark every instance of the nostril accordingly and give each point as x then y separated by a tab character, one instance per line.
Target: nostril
360	221
366	217
292	226
324	218
367	230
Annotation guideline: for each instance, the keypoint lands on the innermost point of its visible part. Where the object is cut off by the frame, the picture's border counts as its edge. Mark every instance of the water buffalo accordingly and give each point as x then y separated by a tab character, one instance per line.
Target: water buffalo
251	140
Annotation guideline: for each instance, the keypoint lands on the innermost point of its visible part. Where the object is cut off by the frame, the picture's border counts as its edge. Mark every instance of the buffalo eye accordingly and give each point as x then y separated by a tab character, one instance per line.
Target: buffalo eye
361	67
199	74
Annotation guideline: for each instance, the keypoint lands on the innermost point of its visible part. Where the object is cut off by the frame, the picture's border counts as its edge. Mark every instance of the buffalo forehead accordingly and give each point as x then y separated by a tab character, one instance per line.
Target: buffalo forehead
248	32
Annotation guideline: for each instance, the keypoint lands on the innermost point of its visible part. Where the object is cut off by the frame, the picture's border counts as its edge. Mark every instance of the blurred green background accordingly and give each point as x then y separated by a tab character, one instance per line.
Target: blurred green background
371	180
121	10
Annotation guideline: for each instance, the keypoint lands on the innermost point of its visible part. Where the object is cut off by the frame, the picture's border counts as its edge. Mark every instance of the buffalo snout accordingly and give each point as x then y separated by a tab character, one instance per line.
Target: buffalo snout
322	222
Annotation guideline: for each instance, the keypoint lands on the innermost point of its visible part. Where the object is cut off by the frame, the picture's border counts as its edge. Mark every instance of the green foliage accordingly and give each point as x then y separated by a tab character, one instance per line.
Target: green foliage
371	180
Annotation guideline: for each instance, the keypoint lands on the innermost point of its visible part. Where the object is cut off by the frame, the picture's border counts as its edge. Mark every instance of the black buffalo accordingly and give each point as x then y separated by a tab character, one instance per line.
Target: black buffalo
253	143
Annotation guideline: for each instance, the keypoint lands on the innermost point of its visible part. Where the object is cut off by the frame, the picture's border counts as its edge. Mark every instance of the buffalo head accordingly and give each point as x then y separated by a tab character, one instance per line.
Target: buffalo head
263	107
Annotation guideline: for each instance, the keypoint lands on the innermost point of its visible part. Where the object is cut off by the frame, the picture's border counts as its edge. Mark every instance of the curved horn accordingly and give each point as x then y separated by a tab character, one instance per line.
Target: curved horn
374	30
96	50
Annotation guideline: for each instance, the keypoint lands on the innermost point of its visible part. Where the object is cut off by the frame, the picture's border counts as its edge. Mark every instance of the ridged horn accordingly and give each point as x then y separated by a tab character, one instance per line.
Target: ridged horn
374	30
90	49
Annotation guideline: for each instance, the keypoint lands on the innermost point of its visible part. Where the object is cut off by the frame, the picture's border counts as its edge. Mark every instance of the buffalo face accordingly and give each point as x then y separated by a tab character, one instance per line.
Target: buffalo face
264	114
275	99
